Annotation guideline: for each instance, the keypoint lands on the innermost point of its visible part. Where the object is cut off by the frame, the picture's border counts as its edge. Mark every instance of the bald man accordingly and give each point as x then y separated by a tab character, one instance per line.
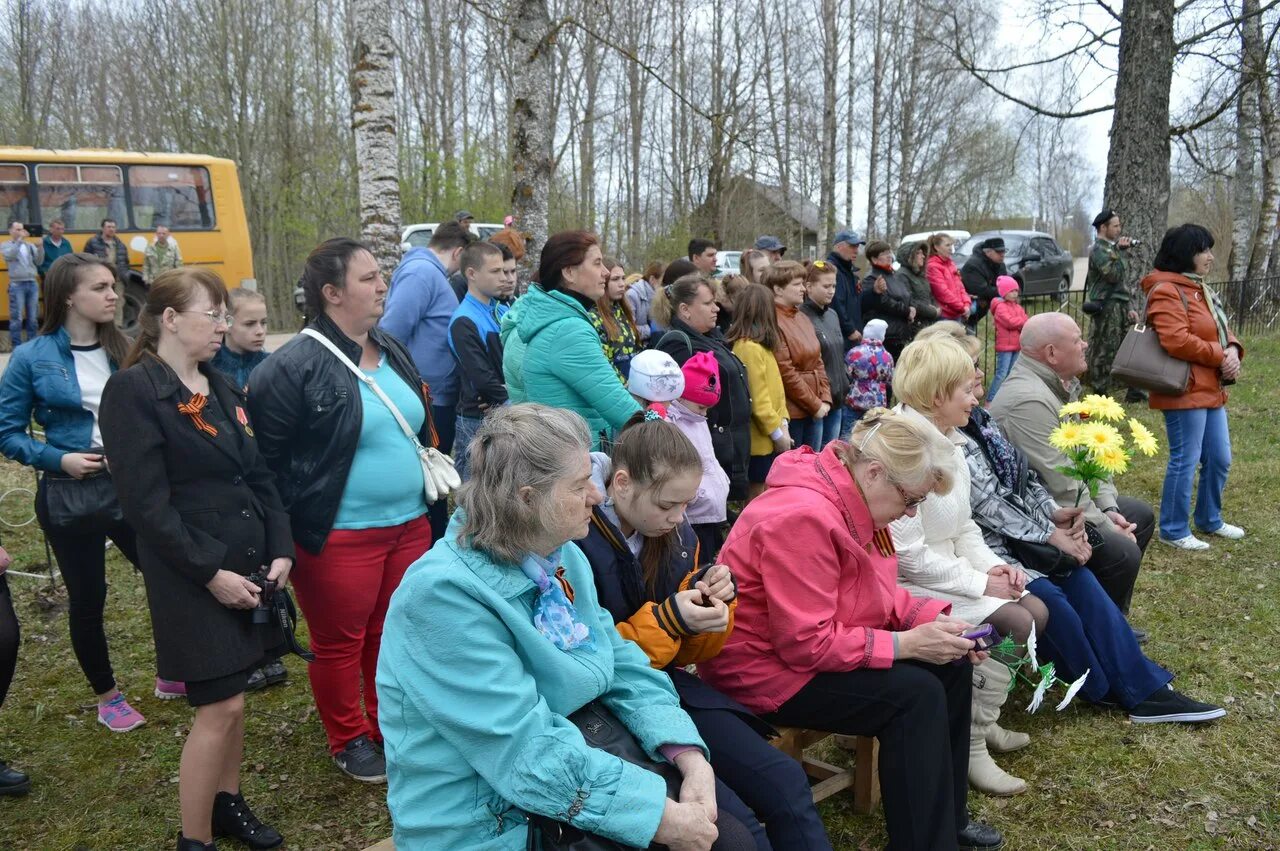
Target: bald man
1044	378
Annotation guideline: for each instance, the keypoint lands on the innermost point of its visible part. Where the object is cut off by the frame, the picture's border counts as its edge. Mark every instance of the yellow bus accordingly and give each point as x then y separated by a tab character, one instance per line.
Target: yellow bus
197	197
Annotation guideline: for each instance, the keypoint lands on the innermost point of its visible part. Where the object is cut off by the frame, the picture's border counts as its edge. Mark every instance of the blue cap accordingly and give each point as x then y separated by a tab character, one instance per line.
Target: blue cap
850	236
770	243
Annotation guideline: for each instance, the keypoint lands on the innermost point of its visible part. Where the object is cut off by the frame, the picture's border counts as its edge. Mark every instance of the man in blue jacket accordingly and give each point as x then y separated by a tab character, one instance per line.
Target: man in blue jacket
476	347
847	303
417	312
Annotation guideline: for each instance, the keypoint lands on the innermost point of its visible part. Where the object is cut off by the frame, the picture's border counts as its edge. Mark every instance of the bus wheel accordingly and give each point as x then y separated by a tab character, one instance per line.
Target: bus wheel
135	299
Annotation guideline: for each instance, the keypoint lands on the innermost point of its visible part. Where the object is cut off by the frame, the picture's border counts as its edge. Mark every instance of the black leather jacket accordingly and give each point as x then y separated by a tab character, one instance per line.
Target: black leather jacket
305	406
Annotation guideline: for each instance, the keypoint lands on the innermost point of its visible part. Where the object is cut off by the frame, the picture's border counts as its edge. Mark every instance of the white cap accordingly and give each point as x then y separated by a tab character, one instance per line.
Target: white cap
875	330
655	377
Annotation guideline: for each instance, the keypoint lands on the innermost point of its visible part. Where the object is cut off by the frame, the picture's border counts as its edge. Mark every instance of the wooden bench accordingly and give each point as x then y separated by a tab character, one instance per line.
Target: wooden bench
829	779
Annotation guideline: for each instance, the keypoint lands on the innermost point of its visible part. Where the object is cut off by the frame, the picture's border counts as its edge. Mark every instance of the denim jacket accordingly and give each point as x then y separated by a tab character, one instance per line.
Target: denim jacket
41	379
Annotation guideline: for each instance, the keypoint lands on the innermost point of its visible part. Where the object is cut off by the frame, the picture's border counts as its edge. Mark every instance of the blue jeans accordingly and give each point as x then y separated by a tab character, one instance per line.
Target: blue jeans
23	304
464	430
1086	632
1004	363
816	433
1197	437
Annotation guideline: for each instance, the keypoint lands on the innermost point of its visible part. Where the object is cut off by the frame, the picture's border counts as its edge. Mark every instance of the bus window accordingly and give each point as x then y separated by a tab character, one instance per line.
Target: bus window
177	196
82	195
15	193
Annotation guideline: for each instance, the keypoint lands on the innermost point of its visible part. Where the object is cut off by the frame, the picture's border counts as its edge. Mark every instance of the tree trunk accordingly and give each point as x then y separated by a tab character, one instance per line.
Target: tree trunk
827	173
532	123
1137	185
851	87
874	164
373	118
1260	255
1244	181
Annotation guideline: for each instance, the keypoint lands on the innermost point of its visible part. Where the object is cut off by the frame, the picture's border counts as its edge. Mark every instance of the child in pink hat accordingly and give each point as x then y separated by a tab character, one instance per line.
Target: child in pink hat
1009	317
708	511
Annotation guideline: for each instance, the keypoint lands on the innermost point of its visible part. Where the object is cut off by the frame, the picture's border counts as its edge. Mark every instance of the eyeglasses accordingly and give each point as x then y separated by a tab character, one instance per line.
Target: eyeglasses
910	502
214	316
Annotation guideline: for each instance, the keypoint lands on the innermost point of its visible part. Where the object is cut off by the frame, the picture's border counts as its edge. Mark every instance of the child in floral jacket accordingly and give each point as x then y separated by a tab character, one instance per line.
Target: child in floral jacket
870	368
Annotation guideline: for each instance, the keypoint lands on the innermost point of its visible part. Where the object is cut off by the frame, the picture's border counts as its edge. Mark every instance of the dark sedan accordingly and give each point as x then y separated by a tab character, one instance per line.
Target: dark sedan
1035	259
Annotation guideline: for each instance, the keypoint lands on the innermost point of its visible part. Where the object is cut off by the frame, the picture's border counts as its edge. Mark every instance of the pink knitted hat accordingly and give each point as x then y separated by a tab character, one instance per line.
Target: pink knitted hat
701	379
1006	285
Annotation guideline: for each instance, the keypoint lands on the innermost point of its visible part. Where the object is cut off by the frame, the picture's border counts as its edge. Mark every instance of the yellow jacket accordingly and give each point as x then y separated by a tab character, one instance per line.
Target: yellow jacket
768	398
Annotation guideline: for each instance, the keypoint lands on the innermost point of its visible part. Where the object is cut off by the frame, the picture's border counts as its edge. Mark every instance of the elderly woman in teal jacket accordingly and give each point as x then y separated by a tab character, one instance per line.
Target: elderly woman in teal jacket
561	362
487	651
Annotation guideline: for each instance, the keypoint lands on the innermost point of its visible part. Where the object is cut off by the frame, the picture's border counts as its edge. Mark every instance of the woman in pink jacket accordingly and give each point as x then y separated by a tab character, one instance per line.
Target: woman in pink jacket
944	278
825	639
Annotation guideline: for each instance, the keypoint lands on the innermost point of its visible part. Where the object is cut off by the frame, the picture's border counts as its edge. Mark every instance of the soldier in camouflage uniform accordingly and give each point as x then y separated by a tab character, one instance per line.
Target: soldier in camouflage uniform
1107	285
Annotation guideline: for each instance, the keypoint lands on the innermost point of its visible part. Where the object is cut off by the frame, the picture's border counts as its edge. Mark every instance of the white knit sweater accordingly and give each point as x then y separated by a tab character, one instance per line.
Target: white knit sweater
941	553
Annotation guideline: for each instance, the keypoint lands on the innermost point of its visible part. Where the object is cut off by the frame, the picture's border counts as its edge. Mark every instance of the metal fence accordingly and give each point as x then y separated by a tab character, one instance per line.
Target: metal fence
1252	307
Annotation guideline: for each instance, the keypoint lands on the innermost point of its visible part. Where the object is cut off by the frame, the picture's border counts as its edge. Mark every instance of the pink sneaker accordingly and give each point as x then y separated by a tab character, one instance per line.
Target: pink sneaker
118	716
170	689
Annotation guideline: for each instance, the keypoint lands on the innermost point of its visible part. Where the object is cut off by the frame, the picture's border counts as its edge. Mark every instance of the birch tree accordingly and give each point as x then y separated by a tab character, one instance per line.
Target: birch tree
373	118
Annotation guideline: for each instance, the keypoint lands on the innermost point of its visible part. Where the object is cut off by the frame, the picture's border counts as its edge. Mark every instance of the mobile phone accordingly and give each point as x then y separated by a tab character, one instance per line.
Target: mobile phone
983	636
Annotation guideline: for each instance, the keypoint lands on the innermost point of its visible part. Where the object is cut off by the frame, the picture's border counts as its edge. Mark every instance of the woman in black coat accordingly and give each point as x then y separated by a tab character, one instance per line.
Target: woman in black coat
190	480
688	309
887	296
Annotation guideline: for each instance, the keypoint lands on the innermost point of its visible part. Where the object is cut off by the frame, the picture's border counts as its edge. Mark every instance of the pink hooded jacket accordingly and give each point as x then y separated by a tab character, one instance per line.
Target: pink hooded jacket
948	289
817	585
1009	317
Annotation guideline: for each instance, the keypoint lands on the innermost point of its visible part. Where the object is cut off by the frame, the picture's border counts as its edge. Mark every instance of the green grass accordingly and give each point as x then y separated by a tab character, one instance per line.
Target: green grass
1097	782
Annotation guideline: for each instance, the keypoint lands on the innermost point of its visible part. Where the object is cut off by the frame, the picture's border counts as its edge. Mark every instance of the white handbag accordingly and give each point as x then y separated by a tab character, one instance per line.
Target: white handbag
439	478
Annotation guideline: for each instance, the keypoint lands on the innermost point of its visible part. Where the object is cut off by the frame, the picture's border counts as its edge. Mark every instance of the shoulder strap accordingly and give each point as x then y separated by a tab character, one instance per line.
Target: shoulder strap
683	336
1181	295
368	382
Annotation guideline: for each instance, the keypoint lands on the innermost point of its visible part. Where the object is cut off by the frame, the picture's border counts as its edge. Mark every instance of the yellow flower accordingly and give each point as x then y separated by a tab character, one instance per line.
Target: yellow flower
1143	438
1099	436
1111	458
1074	409
1069	435
1103	407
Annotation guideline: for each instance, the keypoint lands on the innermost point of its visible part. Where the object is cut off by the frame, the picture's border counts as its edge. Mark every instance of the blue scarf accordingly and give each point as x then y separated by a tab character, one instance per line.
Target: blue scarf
553	613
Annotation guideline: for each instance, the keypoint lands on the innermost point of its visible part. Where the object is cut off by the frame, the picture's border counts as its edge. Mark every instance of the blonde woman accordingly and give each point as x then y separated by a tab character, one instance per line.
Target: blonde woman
942	552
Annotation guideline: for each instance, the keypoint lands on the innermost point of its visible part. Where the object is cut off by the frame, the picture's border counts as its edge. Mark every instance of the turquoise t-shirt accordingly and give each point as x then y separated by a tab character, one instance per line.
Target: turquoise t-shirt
384	487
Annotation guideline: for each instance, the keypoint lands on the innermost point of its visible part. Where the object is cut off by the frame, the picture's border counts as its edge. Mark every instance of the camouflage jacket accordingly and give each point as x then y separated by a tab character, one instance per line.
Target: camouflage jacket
1108	273
160	258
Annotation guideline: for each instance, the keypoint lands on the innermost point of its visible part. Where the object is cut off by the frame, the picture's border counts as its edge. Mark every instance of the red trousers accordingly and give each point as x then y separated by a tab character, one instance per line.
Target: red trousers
344	593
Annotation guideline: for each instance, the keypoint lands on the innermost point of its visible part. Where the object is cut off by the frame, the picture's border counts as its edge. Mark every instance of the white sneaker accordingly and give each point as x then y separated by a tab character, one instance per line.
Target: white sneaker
1226	530
1191	542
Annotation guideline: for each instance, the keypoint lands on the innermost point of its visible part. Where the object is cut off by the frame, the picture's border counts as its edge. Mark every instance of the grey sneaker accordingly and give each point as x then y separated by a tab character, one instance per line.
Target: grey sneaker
361	761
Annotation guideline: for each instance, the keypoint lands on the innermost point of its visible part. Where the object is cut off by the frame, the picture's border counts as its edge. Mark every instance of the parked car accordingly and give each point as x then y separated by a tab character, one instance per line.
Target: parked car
727	263
417	236
1034	259
958	235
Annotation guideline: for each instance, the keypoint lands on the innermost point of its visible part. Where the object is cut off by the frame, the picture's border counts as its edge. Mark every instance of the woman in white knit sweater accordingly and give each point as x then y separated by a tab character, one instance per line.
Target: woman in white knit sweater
942	554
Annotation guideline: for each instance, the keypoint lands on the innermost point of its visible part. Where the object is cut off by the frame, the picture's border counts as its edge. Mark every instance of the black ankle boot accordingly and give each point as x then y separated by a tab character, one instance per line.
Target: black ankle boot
185	844
232	817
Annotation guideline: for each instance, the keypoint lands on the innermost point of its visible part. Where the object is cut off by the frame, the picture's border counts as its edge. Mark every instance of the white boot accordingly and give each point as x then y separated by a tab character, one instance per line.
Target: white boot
1000	740
989	692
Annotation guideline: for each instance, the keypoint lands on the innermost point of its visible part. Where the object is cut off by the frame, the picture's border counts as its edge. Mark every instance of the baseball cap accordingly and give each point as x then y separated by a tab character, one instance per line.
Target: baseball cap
850	236
769	243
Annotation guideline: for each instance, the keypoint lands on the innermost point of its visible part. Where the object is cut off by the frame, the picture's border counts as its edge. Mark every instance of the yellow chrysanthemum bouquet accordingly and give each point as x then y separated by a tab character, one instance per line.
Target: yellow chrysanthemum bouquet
1090	435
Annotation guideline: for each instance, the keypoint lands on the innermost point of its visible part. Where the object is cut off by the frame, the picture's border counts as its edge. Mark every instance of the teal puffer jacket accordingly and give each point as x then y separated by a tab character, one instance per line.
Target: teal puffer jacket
563	364
513	353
